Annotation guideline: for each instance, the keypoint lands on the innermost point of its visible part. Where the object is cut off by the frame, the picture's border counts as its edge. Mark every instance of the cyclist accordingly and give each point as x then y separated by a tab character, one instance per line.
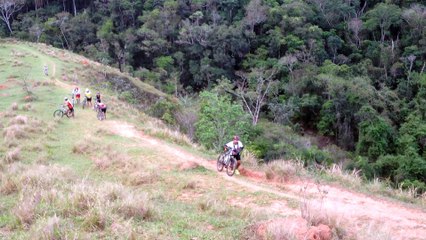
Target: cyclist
76	93
237	146
46	70
98	97
88	96
102	107
69	105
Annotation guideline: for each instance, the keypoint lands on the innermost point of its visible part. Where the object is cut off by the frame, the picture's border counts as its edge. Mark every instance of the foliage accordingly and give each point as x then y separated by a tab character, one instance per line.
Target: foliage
220	119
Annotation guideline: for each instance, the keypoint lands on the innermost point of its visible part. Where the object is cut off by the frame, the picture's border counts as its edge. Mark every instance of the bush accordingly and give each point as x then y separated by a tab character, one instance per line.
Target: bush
419	187
164	109
313	155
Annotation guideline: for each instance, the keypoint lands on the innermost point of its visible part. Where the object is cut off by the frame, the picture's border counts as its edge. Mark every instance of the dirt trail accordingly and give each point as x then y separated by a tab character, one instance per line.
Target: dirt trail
357	210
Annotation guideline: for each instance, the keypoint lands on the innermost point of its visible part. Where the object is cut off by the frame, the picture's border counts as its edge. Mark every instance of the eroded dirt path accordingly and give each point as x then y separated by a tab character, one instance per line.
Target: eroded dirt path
354	210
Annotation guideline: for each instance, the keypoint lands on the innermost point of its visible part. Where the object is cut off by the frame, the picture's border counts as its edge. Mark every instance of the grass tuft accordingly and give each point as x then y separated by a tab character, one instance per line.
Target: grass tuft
14	106
13	155
137	207
283	171
9	185
141	178
14	132
24	211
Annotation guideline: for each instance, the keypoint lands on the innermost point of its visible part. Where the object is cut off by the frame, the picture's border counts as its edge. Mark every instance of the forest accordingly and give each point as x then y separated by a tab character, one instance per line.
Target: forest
349	71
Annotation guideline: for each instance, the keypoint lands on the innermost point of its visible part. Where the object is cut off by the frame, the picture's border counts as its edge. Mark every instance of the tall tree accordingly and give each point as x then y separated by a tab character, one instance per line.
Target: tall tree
383	16
7	9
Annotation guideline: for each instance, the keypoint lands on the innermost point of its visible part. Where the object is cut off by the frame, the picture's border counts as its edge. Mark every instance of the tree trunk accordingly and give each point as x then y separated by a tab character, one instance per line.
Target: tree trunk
74	7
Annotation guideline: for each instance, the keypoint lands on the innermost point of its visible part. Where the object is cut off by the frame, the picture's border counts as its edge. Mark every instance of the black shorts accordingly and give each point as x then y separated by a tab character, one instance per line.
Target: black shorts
237	156
89	99
103	110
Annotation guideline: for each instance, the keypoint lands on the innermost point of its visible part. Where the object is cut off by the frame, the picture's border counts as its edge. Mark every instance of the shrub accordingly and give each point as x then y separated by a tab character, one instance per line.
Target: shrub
164	110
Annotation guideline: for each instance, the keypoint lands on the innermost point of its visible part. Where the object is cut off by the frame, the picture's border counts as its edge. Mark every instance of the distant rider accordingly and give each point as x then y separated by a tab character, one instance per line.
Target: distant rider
76	93
237	146
88	96
98	97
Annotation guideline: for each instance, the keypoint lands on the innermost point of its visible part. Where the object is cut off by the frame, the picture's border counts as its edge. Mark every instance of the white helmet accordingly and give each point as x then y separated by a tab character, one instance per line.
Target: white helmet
87	89
66	99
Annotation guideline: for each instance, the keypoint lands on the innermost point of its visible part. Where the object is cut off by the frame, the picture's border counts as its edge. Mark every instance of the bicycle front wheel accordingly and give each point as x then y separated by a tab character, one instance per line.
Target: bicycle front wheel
232	166
219	163
58	113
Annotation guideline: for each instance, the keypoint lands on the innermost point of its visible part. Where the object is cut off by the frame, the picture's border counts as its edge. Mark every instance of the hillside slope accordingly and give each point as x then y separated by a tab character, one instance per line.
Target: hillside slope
81	178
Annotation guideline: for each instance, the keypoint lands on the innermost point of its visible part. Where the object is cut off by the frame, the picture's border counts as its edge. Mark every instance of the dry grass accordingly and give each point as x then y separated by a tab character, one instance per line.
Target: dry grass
136	206
27	107
49	229
283	171
45	177
373	231
214	205
86	146
12	155
95	219
353	177
157	128
9	185
140	178
19	120
14	132
14	106
24	211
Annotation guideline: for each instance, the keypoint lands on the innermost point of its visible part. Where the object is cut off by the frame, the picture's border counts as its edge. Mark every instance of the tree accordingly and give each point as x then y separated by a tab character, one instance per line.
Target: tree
355	25
219	119
254	89
255	13
7	9
382	16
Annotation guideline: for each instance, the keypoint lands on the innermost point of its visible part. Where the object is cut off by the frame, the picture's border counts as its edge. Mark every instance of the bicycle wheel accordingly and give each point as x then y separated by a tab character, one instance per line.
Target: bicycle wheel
219	163
100	115
230	170
58	113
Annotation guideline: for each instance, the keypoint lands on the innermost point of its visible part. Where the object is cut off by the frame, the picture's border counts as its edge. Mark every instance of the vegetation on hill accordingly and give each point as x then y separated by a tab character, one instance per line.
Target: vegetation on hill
351	71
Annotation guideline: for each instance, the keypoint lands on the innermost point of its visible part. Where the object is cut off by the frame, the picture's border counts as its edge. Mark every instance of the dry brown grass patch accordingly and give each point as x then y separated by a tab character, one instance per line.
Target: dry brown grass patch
14	106
136	206
49	229
95	220
14	132
19	120
27	107
282	171
24	211
13	155
9	185
86	146
141	178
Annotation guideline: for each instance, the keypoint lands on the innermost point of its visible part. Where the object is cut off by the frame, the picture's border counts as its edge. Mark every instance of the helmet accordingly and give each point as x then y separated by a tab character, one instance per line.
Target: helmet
66	99
87	89
236	138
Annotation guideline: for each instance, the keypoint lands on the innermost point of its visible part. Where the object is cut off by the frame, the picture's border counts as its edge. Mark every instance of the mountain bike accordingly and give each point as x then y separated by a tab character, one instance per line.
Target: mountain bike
100	115
228	161
61	111
84	103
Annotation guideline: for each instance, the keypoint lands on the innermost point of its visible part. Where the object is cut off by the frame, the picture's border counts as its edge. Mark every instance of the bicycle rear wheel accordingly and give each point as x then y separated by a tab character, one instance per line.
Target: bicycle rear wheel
230	170
58	113
219	163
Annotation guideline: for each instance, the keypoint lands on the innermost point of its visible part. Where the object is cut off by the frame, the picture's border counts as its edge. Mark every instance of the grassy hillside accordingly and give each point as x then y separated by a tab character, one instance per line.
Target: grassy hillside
81	178
73	178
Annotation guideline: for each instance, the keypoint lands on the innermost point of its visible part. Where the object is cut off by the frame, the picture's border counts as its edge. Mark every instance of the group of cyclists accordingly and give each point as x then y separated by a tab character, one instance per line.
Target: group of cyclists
75	99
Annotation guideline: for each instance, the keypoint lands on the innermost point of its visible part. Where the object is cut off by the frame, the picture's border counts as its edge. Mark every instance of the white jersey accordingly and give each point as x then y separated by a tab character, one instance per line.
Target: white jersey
236	147
76	91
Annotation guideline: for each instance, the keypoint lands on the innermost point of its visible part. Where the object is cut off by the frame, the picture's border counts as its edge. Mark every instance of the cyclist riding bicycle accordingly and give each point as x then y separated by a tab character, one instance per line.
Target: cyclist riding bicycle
102	107
69	105
237	146
88	96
